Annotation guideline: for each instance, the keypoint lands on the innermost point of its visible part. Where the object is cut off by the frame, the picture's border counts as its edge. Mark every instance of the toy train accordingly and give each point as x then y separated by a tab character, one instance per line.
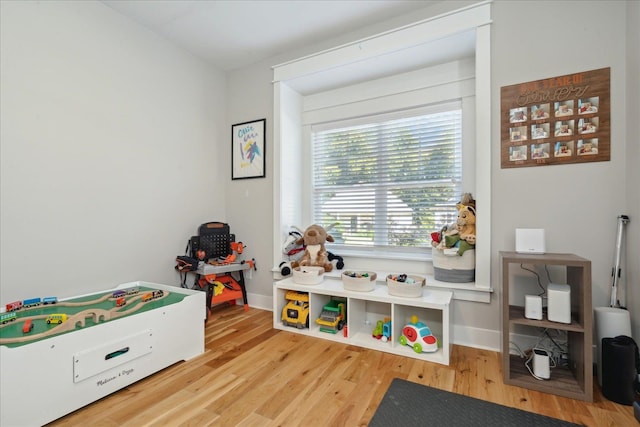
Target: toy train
123	292
35	302
7	317
31	302
152	295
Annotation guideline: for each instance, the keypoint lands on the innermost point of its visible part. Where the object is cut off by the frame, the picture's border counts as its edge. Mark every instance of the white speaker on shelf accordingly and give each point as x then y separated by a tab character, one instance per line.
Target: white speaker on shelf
530	240
559	303
541	364
533	307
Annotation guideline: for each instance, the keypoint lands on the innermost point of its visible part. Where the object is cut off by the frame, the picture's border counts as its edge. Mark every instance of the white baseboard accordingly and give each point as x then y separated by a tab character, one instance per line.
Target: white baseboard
475	337
262	302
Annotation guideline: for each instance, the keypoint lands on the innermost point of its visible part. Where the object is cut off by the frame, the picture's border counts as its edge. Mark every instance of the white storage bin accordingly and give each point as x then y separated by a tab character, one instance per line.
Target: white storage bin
308	275
364	281
403	289
454	268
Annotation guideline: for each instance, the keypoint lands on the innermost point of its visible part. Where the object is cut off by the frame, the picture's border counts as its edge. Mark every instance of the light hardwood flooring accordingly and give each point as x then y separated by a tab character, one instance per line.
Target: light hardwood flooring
253	375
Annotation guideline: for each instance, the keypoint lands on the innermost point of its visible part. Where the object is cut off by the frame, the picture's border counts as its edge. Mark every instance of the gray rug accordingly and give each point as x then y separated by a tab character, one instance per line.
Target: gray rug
410	404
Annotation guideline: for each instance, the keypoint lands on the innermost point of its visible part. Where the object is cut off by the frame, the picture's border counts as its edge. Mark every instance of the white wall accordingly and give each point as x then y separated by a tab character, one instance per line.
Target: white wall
110	150
577	204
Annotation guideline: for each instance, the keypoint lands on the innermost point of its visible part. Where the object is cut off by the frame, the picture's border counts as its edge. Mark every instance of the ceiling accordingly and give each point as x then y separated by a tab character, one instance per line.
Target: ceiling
234	34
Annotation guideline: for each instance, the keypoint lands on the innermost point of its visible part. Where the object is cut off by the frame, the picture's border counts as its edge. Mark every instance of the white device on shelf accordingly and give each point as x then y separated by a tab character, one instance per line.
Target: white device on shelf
559	303
541	364
530	240
533	307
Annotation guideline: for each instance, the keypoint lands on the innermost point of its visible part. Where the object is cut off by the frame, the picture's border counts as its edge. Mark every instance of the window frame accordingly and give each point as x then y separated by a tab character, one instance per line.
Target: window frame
289	129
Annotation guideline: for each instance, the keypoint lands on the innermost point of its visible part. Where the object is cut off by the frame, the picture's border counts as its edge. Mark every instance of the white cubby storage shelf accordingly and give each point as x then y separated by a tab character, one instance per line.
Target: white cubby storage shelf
364	309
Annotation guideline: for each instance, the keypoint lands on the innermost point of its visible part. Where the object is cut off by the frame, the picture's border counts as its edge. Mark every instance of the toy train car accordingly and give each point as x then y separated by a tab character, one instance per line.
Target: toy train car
8	317
31	302
132	291
118	294
152	295
14	306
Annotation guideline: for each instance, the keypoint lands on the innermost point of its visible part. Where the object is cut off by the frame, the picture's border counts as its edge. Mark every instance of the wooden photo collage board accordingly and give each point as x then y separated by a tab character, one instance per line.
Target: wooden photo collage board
554	121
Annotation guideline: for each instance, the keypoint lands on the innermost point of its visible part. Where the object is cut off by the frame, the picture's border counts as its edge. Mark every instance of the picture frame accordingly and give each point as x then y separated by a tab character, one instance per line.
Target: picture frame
248	144
557	120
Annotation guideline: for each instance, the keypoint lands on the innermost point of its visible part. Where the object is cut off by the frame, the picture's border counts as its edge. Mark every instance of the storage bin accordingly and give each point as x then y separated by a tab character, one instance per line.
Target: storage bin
364	281
308	275
403	289
454	268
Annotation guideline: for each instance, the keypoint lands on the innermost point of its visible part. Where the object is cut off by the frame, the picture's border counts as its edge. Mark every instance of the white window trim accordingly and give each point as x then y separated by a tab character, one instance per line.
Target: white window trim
288	125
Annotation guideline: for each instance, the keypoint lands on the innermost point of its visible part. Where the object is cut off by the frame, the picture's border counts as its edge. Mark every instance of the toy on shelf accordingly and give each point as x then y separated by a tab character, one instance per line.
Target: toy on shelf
418	336
315	253
339	260
382	331
333	316
296	312
460	236
294	249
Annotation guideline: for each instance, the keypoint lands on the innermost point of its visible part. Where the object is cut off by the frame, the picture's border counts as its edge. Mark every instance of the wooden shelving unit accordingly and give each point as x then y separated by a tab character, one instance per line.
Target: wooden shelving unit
576	381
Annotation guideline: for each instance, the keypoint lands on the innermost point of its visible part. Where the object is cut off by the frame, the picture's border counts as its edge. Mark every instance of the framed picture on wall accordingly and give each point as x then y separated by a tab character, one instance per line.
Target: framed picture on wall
248	149
557	120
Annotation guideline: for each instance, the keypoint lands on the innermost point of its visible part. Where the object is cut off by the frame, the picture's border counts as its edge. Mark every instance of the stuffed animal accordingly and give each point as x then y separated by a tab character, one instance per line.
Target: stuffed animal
466	223
291	249
314	239
460	236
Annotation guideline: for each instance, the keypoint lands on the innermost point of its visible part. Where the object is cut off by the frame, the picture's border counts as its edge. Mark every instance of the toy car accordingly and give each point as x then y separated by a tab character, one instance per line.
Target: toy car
419	336
296	312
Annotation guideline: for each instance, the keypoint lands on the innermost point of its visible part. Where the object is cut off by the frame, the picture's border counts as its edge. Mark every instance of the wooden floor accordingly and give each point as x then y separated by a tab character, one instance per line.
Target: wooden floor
253	375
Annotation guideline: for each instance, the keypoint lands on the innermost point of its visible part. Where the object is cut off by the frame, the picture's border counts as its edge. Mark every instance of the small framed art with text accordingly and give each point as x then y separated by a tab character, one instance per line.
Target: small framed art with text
248	149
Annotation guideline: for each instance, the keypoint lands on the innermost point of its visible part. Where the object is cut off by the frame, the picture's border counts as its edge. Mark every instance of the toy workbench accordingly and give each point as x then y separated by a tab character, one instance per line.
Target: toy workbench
83	348
234	287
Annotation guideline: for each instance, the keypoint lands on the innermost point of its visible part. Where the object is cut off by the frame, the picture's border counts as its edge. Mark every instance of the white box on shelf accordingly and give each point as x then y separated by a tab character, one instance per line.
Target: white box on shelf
559	303
533	307
530	240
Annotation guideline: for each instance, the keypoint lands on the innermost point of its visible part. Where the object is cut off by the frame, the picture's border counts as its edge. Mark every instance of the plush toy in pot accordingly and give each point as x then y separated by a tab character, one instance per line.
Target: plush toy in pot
314	239
461	236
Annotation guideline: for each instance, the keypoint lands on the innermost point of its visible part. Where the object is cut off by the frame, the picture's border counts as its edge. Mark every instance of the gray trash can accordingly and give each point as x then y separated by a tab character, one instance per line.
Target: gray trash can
620	368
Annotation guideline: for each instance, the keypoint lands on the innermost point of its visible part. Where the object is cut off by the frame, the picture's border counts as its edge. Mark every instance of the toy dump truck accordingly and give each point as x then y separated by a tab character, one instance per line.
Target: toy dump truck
296	312
333	316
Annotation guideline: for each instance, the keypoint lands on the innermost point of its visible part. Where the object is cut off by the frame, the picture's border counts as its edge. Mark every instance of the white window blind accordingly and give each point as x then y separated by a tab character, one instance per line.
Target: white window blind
388	180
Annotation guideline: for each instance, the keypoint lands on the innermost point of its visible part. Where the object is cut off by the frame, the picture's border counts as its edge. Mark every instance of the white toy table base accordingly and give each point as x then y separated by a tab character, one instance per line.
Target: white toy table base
47	379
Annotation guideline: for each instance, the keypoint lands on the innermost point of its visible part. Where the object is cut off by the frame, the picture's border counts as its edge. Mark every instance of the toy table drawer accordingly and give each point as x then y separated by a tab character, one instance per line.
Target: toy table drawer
88	363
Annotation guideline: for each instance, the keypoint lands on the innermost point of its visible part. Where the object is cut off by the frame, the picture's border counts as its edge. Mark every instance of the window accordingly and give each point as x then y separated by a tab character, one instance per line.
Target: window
388	180
408	67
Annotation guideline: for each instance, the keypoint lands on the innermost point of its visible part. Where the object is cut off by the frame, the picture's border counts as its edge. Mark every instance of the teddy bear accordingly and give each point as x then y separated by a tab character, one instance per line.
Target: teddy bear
460	236
315	254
